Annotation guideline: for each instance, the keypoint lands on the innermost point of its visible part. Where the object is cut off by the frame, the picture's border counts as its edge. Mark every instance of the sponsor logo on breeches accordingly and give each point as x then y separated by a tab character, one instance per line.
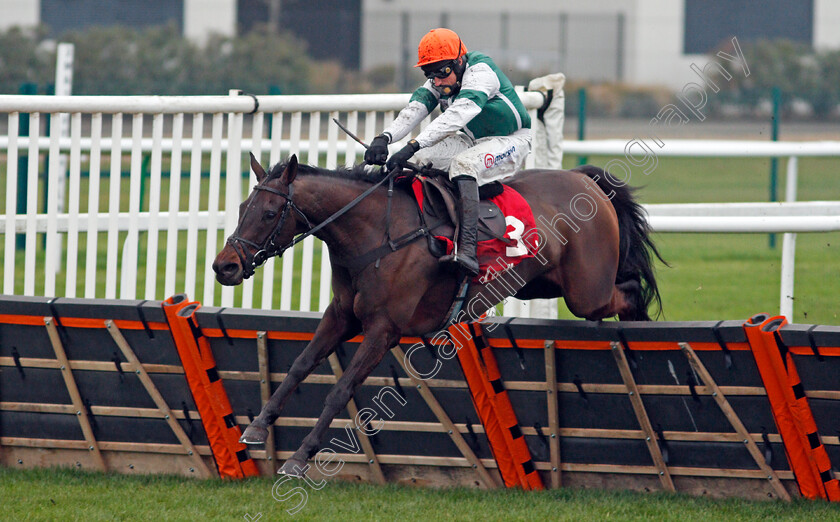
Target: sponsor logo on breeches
490	160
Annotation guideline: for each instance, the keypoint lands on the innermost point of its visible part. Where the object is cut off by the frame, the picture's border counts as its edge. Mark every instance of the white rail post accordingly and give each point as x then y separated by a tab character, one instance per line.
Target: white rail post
542	156
256	149
31	204
11	203
350	144
54	172
114	181
233	192
213	214
63	87
128	266
94	179
512	307
267	301
174	206
154	192
287	278
308	244
71	273
193	206
788	246
326	269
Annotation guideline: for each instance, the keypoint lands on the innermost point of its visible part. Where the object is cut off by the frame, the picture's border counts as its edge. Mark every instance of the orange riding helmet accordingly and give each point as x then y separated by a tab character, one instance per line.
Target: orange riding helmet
439	45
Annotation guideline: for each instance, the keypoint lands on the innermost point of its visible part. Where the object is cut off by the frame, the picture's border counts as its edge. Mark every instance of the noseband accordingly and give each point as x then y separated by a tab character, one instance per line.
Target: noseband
268	248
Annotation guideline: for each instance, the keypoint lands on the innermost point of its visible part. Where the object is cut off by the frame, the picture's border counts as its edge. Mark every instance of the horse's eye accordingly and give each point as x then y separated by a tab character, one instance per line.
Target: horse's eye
269	215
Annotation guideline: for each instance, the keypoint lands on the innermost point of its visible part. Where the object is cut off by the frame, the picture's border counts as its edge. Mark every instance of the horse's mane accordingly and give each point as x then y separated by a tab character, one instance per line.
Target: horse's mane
356	172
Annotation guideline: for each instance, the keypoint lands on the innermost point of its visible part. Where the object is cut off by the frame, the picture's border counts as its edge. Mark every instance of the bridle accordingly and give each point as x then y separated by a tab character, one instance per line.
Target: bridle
269	247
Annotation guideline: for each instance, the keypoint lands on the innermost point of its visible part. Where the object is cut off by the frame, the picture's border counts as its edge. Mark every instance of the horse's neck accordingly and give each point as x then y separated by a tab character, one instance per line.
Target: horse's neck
319	197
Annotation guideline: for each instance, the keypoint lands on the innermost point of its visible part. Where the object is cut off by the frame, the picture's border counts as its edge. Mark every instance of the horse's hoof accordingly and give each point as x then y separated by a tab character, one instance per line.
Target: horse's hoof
292	468
254	435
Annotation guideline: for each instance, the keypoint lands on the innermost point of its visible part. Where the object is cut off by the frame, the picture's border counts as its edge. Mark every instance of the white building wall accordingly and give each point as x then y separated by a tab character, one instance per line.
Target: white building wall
653	30
205	17
826	24
653	33
477	21
495	6
657	45
23	13
651	47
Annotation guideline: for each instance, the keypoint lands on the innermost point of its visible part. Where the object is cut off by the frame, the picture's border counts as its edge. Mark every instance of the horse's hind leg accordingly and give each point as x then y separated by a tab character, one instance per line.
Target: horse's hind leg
333	328
376	343
625	302
634	308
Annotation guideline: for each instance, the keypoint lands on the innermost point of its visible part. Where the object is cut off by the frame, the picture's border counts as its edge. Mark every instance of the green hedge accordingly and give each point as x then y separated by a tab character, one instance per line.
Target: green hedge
158	60
120	60
800	73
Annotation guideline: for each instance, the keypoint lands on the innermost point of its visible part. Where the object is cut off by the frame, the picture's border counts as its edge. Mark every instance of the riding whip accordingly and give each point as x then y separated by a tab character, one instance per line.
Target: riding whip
342	127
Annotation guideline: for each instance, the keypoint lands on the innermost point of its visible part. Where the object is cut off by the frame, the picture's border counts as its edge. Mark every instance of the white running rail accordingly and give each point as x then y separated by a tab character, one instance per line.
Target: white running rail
194	135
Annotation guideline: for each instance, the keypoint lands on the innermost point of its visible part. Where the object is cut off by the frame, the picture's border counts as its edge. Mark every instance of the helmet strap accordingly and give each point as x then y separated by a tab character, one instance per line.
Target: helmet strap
450	90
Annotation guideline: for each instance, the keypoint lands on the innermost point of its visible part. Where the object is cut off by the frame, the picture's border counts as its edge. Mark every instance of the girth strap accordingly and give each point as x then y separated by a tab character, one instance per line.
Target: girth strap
387	239
358	263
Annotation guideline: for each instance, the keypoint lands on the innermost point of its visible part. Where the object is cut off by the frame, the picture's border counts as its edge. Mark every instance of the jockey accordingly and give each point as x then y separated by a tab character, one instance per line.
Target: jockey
483	134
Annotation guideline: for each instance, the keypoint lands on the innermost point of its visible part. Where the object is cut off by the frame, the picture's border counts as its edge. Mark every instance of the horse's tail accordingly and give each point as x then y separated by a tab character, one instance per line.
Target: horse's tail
636	248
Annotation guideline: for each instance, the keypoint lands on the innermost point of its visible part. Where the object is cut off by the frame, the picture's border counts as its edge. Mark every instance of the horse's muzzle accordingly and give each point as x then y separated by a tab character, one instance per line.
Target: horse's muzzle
228	269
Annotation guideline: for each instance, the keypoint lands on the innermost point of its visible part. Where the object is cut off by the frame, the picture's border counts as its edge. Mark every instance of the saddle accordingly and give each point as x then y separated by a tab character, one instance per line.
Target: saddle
504	216
437	198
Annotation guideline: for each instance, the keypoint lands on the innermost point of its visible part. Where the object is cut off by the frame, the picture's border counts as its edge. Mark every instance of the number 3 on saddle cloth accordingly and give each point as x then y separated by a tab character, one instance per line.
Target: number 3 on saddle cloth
506	227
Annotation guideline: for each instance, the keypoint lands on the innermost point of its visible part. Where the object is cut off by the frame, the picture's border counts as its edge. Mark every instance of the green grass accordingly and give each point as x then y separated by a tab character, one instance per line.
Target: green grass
734	276
66	494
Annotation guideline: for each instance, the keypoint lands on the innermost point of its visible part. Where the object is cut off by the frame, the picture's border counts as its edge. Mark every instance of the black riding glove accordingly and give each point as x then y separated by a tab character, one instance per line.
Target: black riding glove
400	158
377	152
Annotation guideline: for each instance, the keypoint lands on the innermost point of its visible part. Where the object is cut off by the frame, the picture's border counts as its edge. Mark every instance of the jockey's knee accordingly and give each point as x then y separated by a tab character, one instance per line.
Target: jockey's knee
455	176
463	165
441	154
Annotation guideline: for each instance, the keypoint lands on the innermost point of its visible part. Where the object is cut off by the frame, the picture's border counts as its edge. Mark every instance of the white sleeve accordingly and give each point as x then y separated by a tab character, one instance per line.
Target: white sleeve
408	118
481	78
451	121
478	84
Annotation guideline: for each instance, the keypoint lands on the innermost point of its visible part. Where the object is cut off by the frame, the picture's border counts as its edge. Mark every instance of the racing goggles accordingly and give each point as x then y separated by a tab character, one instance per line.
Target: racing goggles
441	72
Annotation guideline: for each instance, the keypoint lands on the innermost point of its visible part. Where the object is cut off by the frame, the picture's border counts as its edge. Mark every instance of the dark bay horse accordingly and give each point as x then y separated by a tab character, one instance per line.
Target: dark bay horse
595	252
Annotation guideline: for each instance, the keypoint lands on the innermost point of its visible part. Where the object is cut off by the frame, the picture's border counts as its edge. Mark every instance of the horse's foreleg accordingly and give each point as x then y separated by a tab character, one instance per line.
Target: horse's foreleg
334	328
368	356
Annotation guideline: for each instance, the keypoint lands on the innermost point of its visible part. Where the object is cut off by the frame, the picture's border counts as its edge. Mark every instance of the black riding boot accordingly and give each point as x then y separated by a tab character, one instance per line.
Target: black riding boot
465	248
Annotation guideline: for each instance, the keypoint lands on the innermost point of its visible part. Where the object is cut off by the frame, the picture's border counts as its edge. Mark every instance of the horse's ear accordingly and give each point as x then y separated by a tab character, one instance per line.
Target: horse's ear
291	170
257	168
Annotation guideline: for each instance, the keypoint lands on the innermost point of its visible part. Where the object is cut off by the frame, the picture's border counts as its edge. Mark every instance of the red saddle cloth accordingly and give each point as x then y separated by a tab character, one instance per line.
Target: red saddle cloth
518	242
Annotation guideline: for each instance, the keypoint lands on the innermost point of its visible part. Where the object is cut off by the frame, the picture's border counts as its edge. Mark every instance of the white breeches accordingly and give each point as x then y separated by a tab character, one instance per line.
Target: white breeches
486	160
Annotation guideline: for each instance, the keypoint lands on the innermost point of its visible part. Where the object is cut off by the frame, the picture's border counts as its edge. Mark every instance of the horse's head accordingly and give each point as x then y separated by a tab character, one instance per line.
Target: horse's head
268	221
